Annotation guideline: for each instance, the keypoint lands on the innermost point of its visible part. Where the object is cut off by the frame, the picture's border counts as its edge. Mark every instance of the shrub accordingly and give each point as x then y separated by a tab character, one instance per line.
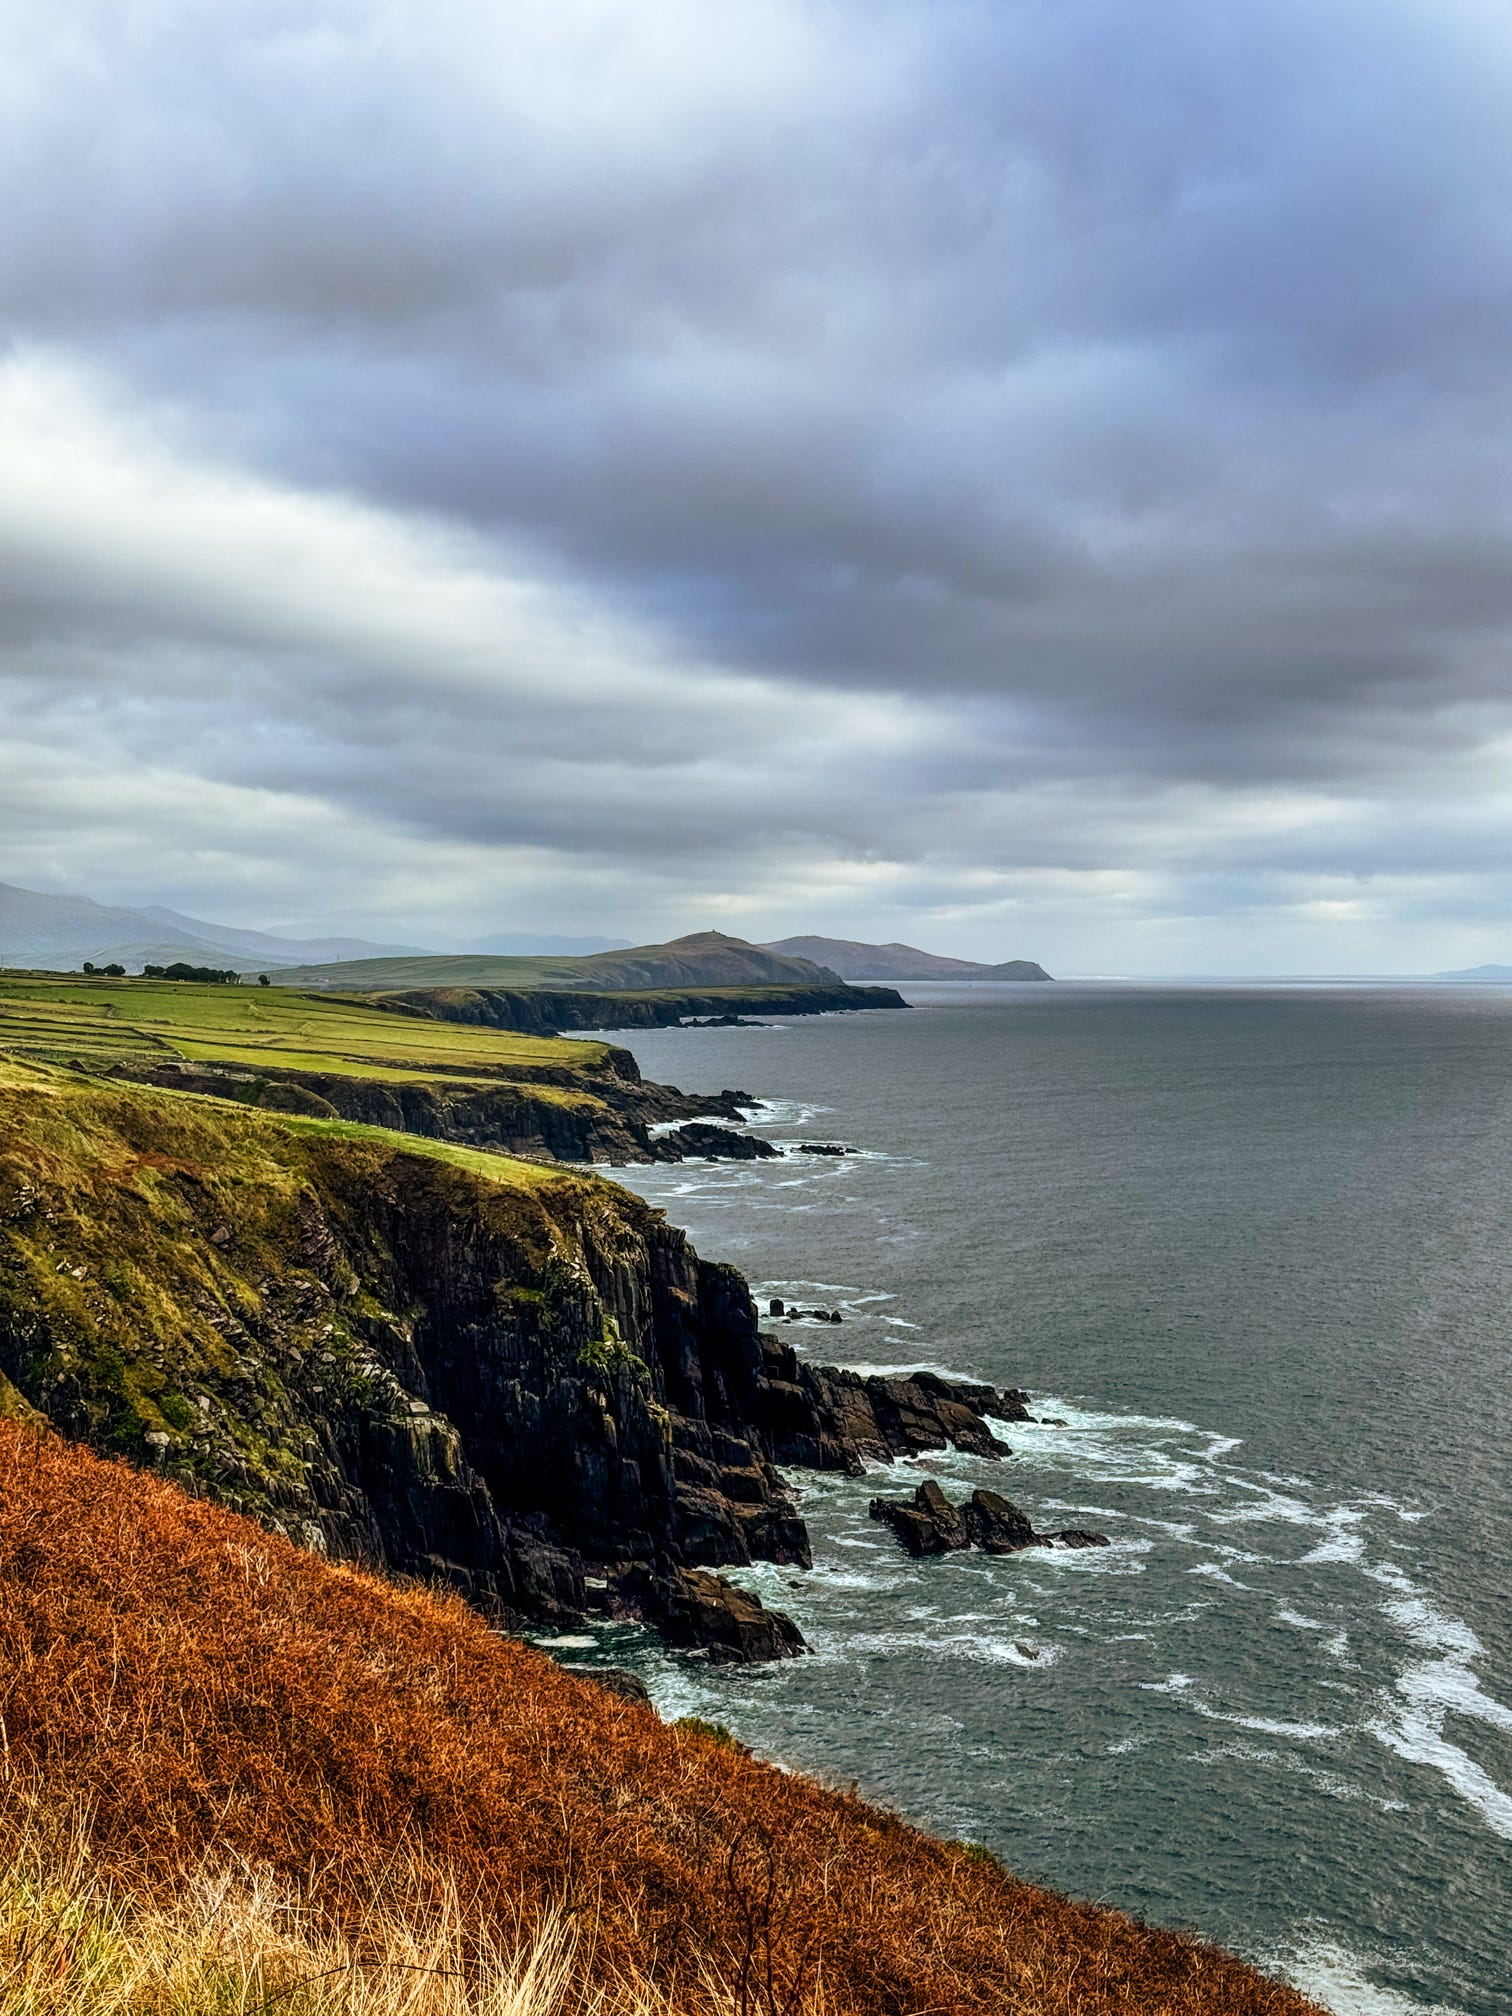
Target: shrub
715	1732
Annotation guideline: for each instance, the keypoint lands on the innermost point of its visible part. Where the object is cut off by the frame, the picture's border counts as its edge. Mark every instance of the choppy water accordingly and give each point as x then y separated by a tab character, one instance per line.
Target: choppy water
1254	1247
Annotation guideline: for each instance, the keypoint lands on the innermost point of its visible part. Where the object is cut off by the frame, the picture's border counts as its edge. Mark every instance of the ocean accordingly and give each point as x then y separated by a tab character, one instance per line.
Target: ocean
1252	1247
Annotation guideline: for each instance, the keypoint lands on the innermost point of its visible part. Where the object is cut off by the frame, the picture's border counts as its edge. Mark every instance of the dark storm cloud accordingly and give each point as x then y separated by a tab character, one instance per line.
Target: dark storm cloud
864	460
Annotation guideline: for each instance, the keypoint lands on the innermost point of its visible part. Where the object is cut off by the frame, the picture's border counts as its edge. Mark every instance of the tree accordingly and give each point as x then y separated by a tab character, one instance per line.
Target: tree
214	976
263	980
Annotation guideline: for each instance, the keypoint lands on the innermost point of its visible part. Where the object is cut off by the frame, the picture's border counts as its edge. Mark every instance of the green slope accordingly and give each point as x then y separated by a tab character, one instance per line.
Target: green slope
103	1022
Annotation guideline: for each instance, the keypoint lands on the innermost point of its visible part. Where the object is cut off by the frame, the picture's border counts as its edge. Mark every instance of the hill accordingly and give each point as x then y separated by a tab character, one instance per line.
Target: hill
704	959
61	932
853	960
468	1079
210	1701
1489	975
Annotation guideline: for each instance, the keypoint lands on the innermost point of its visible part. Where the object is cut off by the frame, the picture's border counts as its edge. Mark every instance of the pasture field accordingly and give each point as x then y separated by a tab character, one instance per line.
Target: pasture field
97	1022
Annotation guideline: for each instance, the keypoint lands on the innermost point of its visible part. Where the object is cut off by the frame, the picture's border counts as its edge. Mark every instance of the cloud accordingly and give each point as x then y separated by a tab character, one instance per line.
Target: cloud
1032	467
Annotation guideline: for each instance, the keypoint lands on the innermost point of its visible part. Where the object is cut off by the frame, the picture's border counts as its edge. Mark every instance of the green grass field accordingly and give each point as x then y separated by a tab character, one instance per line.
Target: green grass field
70	1102
97	1023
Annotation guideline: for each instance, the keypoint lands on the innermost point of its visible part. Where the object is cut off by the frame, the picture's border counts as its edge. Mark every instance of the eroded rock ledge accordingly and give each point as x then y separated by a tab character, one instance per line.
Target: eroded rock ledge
602	1115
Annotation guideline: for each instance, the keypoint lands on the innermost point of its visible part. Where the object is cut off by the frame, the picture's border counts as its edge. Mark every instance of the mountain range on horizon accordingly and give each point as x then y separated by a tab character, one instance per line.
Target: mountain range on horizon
45	930
42	929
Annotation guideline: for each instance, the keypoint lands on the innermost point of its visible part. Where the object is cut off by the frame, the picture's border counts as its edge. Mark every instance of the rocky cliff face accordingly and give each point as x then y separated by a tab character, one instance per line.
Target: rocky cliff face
531	1389
541	1113
543	1011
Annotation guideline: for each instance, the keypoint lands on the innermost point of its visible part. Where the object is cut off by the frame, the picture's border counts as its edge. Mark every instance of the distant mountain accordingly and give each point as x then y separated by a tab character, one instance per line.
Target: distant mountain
536	944
705	959
275	945
855	961
1503	974
61	932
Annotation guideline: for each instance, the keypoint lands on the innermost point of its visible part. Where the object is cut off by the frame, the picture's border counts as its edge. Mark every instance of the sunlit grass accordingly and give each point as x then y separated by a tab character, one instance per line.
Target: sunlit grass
248	1025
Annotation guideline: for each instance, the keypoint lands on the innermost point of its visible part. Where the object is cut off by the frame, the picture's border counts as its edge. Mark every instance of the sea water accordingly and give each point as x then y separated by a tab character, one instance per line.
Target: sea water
1250	1250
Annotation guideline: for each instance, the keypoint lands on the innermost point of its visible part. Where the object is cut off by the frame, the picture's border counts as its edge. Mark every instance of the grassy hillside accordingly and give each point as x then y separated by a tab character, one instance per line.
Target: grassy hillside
335	1058
705	959
102	1021
118	1298
214	1703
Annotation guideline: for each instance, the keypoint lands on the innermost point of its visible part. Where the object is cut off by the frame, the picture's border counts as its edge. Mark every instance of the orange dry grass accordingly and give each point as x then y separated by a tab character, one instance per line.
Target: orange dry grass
205	1687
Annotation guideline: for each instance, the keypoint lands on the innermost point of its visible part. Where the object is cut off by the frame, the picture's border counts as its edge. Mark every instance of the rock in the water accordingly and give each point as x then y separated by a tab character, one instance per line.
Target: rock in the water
927	1523
822	1417
996	1525
776	1307
701	1140
619	1680
824	1148
698	1609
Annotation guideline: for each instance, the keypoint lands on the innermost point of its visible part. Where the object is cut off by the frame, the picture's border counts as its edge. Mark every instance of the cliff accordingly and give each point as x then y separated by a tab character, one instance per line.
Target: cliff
543	1011
515	1381
467	1080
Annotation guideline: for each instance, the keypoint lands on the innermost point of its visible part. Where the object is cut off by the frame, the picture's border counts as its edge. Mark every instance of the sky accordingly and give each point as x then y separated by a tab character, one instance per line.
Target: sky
1029	478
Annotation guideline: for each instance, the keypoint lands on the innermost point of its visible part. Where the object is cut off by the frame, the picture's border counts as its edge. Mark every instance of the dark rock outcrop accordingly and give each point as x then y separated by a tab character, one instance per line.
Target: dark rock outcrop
697	1140
695	1609
621	1681
542	1011
823	1418
541	1112
928	1523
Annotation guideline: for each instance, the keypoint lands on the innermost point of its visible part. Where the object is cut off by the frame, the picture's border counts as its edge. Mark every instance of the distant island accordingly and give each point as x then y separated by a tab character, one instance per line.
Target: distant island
852	960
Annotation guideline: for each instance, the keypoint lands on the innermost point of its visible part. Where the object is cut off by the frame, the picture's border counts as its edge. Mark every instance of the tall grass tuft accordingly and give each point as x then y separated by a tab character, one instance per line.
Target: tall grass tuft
236	1941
